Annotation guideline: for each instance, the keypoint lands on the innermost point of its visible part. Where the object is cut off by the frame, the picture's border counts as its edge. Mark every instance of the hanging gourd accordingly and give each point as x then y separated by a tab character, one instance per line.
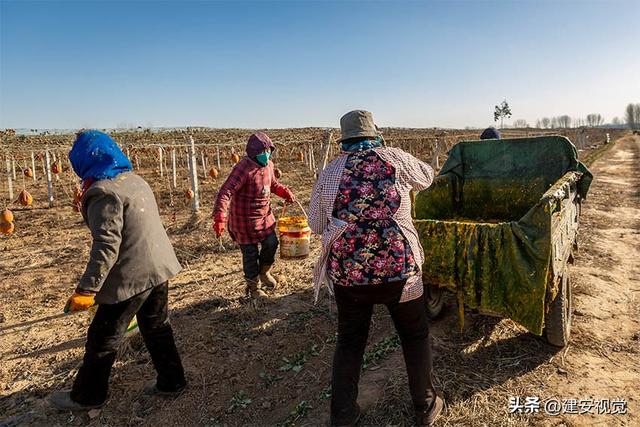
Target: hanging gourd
213	173
56	167
189	194
6	216
28	172
277	173
235	158
25	198
6	227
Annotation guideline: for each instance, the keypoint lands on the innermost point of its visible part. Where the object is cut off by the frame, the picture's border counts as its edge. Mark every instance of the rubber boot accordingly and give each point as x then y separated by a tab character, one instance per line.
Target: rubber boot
267	280
252	289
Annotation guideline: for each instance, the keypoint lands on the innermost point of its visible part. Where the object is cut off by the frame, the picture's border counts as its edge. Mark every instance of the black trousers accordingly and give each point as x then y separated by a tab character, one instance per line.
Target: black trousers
355	307
254	257
106	333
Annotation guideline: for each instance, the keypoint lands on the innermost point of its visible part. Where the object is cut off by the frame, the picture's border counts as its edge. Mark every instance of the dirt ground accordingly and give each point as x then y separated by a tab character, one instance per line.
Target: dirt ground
271	365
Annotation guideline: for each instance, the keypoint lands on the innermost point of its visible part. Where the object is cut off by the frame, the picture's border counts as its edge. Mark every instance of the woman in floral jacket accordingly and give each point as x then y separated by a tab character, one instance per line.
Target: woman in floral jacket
371	255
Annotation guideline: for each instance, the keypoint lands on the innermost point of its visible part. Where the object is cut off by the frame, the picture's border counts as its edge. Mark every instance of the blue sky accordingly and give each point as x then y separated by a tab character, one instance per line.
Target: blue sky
291	64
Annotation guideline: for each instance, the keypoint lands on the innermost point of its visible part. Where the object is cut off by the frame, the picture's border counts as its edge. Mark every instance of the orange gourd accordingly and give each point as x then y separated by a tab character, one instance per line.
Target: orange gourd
213	173
277	173
28	173
235	158
6	227
189	194
24	198
56	167
6	216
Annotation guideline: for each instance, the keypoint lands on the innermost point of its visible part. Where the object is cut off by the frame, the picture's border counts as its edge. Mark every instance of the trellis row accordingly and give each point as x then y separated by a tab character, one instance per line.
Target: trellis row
323	151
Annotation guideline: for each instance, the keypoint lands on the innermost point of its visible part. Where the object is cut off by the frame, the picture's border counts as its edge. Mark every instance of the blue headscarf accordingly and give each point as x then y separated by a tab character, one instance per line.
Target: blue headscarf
96	156
363	145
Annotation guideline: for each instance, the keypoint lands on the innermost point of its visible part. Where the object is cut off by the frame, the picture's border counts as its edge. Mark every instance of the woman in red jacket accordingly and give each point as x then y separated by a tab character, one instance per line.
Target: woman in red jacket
246	197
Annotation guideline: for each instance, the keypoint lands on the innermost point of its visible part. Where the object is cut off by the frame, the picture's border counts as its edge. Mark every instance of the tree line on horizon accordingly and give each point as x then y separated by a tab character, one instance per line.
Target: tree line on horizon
631	119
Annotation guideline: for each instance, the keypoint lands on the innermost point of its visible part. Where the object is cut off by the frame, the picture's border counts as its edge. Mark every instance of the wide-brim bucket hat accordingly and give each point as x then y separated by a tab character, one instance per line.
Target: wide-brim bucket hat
358	124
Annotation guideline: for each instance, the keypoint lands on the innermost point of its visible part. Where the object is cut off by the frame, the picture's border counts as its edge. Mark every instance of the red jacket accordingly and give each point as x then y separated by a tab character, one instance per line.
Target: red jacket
244	200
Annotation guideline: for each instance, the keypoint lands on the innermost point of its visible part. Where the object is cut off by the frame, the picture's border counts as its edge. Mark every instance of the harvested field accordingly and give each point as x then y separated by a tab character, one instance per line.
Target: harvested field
272	365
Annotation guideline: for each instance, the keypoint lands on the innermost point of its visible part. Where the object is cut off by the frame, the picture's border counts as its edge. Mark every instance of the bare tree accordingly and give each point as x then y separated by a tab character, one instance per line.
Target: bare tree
594	120
579	122
564	121
554	122
632	116
520	123
546	122
616	121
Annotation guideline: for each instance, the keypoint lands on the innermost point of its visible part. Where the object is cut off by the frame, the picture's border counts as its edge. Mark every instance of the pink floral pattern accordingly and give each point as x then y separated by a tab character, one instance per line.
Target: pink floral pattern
373	249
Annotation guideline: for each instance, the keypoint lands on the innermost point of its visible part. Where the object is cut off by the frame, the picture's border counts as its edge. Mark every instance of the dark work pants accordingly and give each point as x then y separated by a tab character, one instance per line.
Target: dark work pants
254	258
355	307
105	336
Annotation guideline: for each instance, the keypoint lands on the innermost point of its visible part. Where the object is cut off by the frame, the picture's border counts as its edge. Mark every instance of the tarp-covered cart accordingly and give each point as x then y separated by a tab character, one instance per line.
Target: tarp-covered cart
499	226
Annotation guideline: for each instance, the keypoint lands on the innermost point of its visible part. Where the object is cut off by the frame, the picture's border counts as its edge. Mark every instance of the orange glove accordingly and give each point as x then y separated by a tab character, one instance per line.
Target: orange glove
79	302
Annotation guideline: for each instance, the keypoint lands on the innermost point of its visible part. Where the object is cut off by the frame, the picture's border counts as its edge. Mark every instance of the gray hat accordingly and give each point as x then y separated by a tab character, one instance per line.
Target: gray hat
356	124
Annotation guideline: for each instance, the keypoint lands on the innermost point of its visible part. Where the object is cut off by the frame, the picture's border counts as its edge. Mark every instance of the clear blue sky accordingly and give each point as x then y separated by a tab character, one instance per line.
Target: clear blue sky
291	64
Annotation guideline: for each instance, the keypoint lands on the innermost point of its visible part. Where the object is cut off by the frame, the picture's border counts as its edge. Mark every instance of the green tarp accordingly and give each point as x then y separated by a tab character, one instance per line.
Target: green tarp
485	224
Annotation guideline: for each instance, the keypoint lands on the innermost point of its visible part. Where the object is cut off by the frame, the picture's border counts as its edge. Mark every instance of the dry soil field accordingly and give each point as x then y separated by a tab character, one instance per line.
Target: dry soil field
271	366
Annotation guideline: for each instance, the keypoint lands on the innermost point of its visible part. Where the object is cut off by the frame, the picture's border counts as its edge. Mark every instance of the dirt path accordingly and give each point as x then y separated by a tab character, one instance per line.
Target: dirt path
603	360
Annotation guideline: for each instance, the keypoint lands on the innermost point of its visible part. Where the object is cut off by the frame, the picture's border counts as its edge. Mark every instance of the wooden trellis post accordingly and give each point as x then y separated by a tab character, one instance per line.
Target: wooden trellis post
54	160
173	168
13	168
218	156
328	141
160	161
435	163
48	175
9	180
204	166
194	174
33	165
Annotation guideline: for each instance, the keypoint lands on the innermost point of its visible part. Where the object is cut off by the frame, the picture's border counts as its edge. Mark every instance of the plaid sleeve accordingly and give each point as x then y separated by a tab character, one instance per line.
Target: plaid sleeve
233	183
277	188
418	174
317	216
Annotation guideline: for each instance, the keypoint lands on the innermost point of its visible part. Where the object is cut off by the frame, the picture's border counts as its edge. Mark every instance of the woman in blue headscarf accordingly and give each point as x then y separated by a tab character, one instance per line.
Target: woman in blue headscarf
130	264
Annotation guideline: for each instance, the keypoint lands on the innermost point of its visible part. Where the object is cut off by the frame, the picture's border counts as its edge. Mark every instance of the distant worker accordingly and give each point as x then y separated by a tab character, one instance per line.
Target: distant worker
371	255
130	263
490	133
244	201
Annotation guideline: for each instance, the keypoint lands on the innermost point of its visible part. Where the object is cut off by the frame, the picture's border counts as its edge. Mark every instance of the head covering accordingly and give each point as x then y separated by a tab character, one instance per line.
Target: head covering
96	156
357	124
259	142
490	133
352	146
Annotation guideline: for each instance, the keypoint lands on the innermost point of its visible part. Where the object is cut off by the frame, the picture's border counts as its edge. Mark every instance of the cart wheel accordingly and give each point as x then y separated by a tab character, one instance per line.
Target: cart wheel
558	320
434	301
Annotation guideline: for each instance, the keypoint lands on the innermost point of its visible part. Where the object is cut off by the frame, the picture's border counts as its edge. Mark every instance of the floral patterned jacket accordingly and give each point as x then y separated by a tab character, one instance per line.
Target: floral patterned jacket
410	174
